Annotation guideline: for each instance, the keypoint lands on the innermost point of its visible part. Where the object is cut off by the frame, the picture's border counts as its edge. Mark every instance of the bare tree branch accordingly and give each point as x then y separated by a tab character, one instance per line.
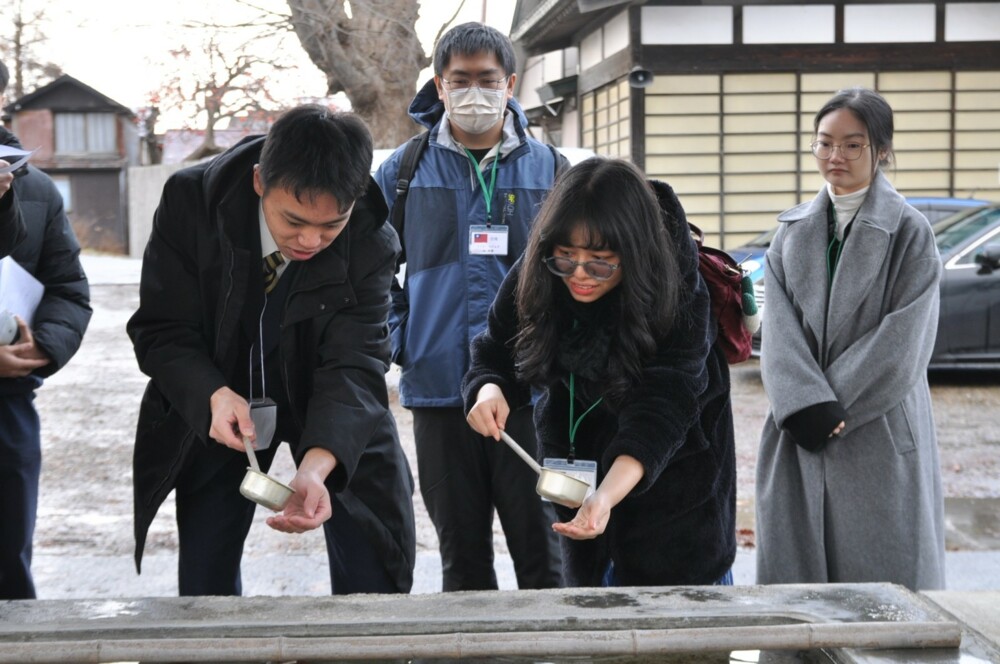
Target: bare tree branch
217	83
372	53
24	34
446	24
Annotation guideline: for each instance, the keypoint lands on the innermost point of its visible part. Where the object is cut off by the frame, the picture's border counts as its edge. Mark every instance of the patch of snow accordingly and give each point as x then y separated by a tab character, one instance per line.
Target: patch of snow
111	270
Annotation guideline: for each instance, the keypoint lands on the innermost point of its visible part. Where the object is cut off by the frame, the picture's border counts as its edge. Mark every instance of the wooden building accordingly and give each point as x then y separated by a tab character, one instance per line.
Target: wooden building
86	142
723	93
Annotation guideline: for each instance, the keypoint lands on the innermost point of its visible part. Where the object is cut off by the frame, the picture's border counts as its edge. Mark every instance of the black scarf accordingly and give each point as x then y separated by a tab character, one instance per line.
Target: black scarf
588	330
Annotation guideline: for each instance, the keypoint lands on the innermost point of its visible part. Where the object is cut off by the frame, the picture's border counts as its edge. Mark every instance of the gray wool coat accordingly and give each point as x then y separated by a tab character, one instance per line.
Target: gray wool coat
868	507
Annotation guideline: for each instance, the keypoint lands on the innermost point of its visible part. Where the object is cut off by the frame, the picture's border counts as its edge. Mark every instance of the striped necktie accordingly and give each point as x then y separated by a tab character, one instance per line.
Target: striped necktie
271	263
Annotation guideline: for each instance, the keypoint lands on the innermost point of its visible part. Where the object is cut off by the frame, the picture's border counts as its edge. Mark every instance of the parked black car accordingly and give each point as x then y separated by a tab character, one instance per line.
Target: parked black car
751	254
969	321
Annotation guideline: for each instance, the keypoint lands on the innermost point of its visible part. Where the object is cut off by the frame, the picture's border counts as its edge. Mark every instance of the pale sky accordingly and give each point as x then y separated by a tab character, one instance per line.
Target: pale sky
120	47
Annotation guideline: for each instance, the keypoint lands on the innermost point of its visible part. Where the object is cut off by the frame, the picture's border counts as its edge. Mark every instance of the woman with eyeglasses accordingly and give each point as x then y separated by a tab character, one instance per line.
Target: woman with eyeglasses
608	317
848	480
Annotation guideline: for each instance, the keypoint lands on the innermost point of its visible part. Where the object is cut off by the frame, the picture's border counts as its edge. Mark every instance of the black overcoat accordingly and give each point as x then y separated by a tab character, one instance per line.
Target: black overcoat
12	228
12	231
334	347
48	249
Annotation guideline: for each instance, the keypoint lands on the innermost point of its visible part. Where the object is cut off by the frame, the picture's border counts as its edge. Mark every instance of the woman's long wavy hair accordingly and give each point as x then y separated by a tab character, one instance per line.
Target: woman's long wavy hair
611	201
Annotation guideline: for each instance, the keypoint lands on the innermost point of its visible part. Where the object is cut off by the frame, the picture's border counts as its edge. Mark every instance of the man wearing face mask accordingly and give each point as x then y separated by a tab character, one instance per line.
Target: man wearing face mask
468	211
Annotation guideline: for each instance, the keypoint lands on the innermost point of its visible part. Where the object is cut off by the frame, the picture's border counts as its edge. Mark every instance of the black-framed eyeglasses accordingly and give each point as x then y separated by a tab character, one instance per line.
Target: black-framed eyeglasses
849	151
562	266
463	83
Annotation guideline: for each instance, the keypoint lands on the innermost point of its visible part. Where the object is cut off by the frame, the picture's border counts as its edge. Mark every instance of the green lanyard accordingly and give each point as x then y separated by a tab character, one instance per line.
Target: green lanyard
487	193
836	247
573	426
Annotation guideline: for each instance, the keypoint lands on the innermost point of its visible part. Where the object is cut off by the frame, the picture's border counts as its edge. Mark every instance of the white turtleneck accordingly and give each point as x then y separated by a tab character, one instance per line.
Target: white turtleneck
845	206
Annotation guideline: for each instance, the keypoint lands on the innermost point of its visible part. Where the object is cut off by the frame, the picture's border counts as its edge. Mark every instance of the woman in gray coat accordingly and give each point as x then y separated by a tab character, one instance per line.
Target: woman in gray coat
848	480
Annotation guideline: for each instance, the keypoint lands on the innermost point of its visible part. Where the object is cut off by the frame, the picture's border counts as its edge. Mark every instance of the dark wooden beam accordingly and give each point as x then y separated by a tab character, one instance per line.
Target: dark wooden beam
818	57
970	56
608	70
637	96
940	16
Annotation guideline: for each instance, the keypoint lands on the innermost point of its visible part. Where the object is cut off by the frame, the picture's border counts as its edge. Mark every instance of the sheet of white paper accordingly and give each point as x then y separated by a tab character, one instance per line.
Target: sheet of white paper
7	153
20	292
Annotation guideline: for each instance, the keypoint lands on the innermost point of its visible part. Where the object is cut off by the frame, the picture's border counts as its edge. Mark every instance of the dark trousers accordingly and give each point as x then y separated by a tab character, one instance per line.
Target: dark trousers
20	466
463	477
213	520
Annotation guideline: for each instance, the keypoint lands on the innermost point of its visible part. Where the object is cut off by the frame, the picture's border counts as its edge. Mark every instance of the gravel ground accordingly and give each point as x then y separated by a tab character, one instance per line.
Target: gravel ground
90	408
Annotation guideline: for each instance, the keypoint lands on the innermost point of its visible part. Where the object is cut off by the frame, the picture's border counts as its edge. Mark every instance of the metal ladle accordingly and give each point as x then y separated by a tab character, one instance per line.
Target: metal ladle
261	488
558	487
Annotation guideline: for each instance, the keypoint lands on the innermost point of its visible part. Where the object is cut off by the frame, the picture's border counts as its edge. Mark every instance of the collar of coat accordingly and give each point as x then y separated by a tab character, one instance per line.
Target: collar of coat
229	189
882	208
827	306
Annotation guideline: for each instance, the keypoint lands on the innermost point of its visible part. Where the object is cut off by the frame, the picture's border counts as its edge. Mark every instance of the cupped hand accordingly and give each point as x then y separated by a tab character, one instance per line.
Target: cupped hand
21	358
307	509
488	415
590	520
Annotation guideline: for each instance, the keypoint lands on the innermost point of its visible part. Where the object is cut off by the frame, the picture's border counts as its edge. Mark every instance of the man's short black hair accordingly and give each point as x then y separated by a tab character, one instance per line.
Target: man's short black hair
4	77
473	39
312	150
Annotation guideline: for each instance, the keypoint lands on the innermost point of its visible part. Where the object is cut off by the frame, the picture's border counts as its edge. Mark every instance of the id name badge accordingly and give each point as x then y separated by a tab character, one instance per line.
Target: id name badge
264	413
488	240
581	469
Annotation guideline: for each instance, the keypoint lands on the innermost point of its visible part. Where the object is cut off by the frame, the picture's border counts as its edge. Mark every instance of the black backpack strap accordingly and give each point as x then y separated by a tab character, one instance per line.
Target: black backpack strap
407	167
561	162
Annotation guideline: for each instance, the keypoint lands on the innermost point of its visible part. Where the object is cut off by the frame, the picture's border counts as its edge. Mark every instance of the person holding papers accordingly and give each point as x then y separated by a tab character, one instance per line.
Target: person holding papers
50	253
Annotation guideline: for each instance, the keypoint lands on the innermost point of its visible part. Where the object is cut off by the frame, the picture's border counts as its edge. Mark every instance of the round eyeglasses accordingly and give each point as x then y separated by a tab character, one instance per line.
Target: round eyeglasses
561	266
463	83
849	151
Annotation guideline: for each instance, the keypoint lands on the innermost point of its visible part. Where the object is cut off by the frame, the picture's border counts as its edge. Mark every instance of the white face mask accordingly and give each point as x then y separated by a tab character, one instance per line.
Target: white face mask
475	110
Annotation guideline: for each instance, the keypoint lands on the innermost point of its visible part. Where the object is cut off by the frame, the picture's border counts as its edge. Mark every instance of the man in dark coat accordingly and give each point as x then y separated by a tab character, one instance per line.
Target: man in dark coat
49	251
218	328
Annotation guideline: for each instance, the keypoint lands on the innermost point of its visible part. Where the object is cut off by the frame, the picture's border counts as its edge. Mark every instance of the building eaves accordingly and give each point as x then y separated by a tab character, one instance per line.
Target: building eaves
555	23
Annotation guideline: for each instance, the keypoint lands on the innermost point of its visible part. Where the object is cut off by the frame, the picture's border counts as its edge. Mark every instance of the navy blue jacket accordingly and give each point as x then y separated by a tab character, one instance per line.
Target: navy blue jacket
447	293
